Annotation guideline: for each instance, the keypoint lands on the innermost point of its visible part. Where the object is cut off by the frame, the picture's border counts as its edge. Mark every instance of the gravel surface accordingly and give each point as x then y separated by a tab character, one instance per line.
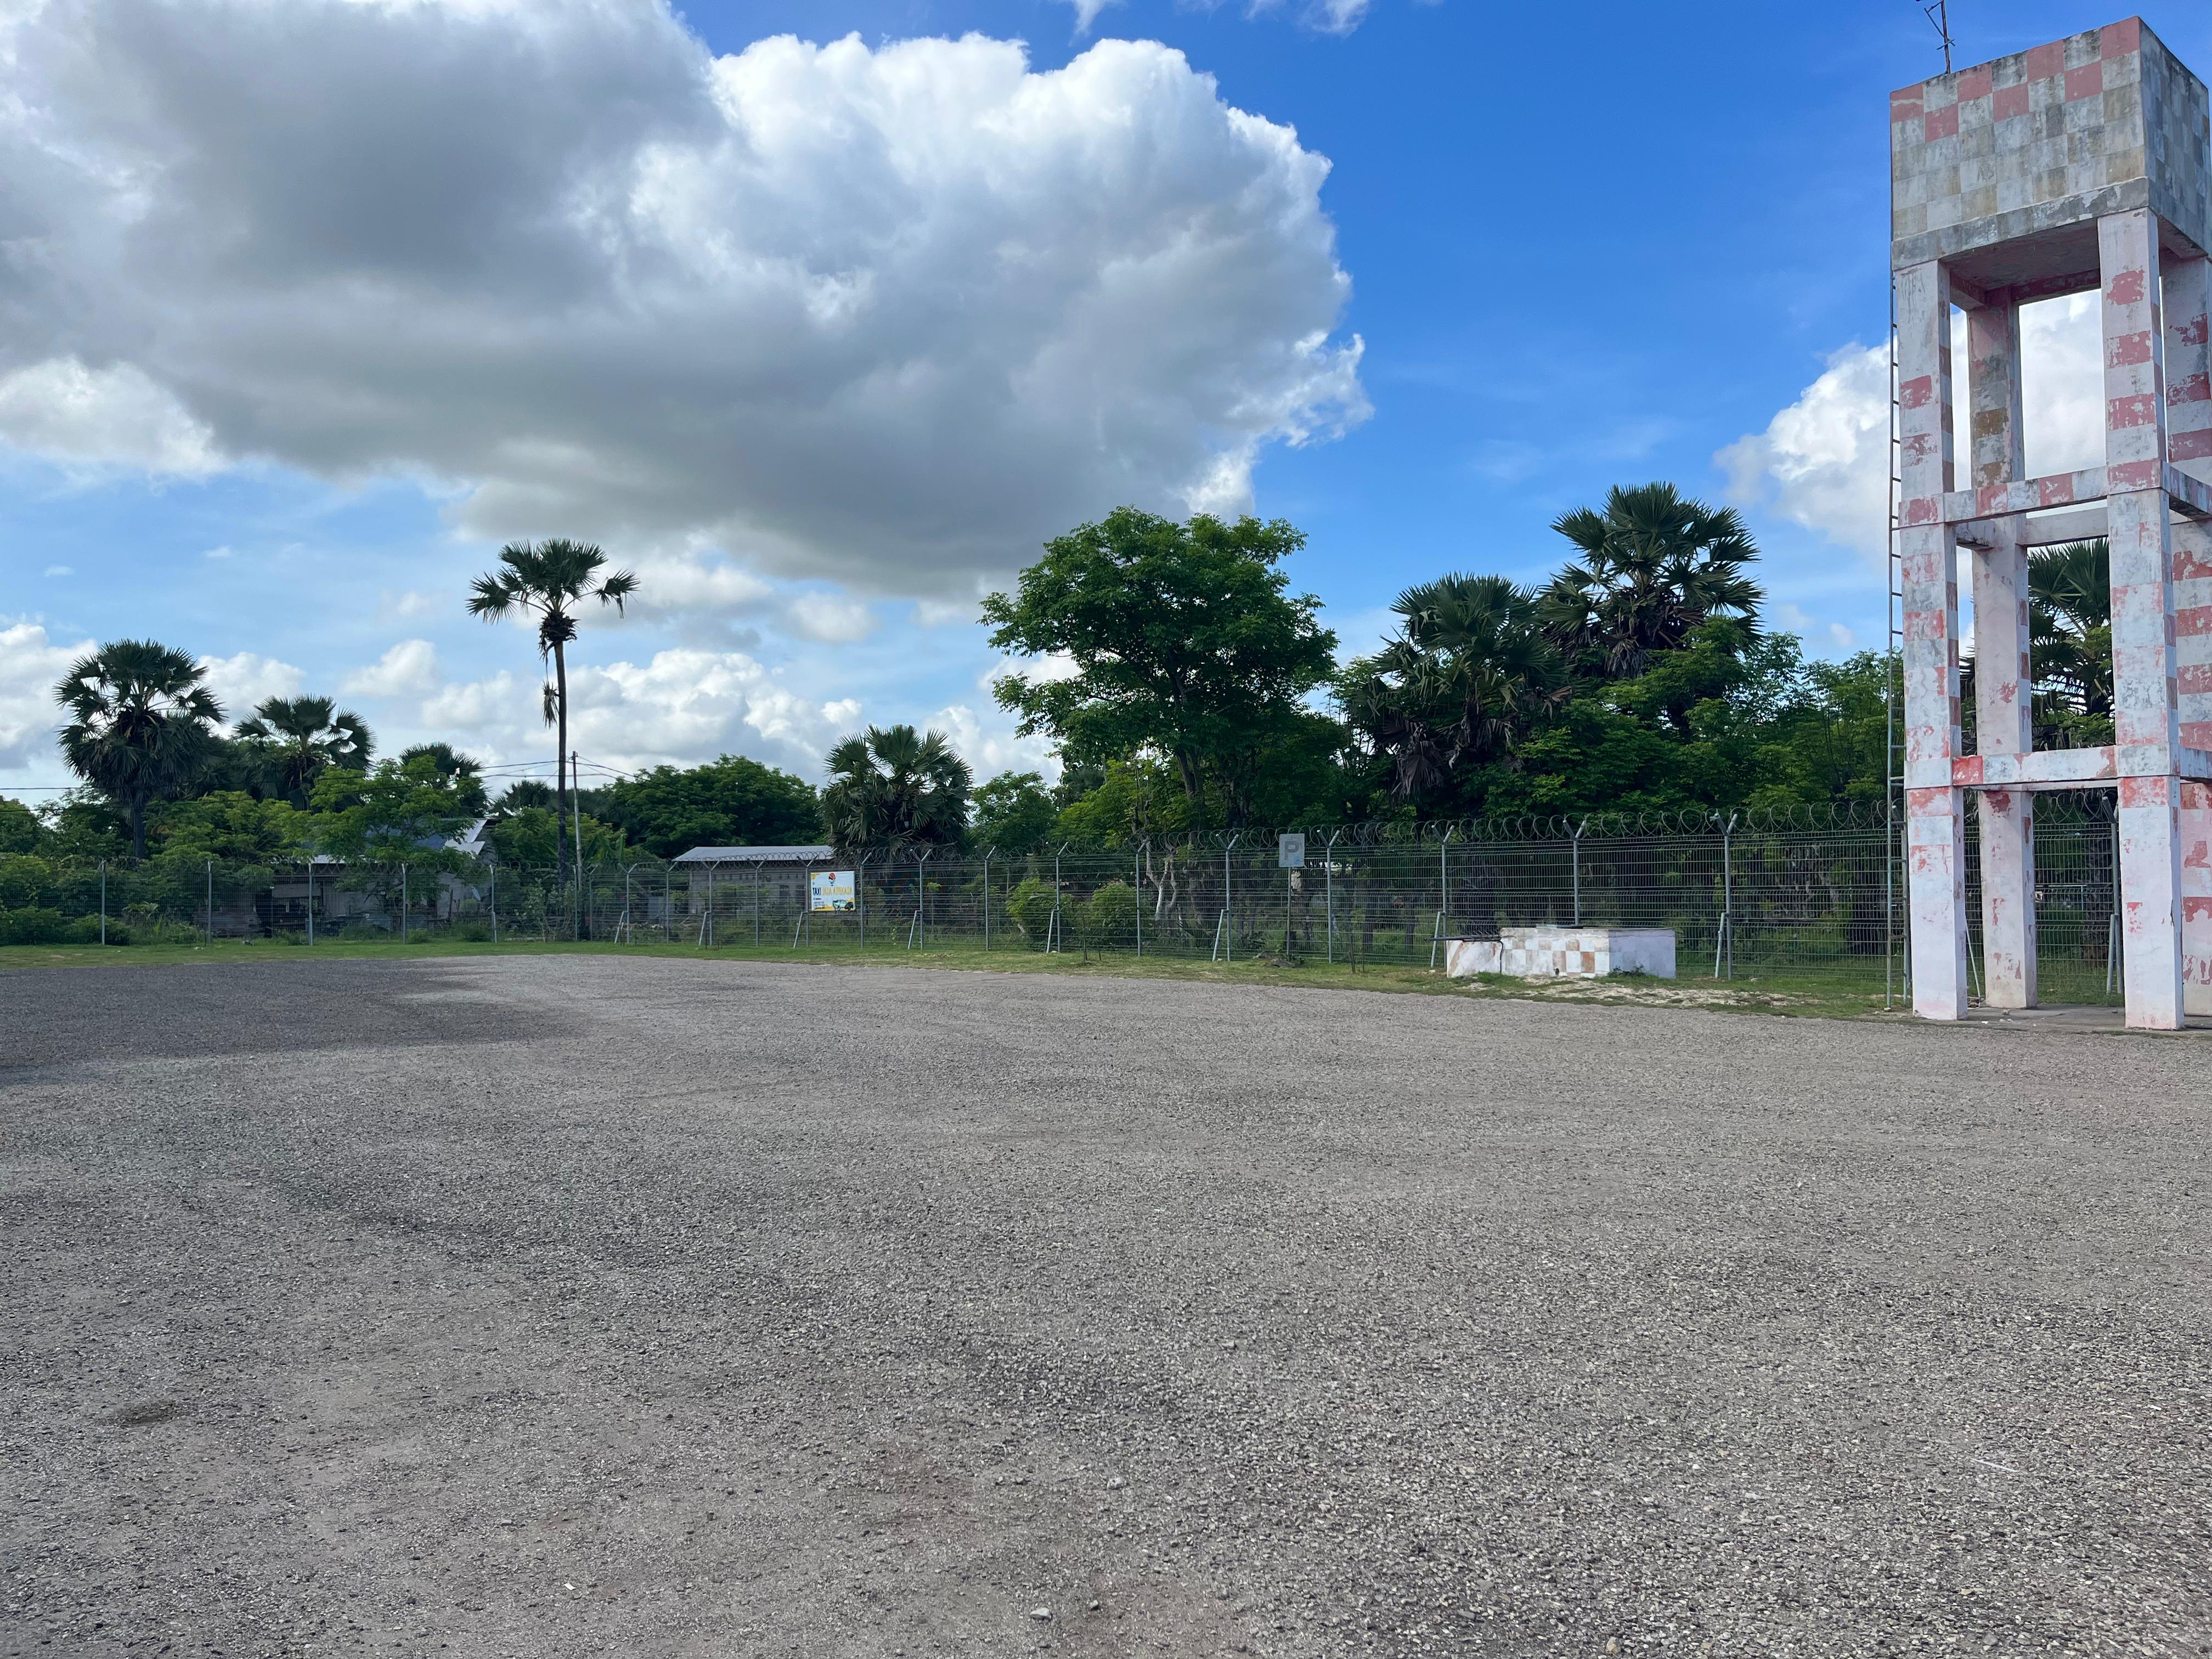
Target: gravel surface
568	1305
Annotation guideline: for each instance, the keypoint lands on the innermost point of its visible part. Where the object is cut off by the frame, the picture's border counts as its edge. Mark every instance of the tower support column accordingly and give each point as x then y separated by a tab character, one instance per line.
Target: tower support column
1928	547
2145	726
2188	284
2003	691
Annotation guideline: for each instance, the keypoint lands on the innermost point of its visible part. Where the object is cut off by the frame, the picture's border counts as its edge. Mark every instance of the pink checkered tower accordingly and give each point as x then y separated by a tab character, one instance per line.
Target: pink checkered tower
2079	165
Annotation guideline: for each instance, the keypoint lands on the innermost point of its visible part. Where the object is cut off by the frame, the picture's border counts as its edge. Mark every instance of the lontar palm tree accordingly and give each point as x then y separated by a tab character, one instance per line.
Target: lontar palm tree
1469	672
2069	626
895	788
301	737
141	724
1655	565
547	579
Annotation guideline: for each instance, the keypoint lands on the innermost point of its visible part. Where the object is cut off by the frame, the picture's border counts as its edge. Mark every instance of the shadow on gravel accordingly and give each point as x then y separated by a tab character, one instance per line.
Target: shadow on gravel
67	1015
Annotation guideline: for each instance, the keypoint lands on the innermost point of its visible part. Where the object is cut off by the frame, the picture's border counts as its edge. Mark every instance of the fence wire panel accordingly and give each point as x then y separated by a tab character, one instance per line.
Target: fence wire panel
1807	897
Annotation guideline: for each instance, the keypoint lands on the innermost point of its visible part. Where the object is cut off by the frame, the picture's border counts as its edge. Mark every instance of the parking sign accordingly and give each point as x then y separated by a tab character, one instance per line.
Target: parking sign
1290	852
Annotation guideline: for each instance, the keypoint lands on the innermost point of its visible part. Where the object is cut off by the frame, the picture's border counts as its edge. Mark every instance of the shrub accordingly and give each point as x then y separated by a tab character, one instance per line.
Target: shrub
1030	907
1110	920
33	928
22	878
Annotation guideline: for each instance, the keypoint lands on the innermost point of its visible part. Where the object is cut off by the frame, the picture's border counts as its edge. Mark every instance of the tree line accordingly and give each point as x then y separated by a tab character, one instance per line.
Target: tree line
1182	684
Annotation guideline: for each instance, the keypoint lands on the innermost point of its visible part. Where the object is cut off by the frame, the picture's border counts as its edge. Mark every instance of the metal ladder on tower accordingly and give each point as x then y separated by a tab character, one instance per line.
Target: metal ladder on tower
1893	697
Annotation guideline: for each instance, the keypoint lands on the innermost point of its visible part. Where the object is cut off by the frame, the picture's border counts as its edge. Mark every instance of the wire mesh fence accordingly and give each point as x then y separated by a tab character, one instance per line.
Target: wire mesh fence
1809	896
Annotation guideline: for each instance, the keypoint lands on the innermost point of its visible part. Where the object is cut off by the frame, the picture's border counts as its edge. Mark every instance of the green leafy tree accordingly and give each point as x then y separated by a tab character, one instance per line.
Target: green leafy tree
1654	567
730	802
140	725
1109	917
1126	801
23	878
1470	672
525	793
1030	907
895	787
531	837
547	580
296	739
465	772
234	827
1015	814
20	828
396	811
81	825
1180	638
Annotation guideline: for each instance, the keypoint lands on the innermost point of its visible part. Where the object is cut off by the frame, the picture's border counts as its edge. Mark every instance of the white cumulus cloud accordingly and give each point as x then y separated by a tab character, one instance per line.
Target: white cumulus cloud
241	682
990	745
410	667
32	663
831	618
887	315
116	416
1824	461
682	707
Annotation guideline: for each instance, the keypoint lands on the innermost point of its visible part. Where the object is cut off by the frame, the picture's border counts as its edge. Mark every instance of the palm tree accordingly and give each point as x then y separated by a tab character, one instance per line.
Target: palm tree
142	723
300	739
446	762
1469	670
2069	634
1655	566
895	788
548	580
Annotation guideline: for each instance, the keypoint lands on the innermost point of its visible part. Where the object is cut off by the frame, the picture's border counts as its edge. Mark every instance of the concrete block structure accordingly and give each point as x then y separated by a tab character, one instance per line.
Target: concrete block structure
2085	164
1564	954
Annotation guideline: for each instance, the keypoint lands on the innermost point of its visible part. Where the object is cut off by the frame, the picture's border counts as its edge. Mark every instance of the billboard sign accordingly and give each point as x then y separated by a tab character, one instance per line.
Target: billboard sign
830	889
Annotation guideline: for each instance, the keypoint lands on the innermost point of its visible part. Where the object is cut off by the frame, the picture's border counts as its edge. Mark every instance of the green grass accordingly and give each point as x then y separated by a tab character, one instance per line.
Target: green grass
1817	992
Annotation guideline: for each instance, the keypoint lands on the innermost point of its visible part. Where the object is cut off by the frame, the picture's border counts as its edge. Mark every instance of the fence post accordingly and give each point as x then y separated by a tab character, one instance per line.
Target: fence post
987	851
709	920
1137	869
310	898
210	901
103	901
1575	848
1328	891
2113	946
495	901
861	898
1724	940
922	898
1443	894
757	887
402	904
1052	931
1228	928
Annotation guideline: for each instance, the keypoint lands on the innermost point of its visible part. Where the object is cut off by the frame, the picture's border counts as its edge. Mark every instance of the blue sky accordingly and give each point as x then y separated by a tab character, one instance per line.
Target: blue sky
283	425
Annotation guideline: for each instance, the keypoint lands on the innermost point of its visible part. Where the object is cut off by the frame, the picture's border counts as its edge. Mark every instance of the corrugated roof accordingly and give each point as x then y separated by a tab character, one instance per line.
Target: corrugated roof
756	855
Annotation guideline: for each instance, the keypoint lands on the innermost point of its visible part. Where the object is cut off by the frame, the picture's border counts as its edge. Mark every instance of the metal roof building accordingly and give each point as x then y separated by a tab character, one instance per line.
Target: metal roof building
756	855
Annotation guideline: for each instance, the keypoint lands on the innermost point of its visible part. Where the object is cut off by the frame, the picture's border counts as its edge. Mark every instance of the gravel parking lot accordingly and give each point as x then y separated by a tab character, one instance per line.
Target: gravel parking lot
568	1305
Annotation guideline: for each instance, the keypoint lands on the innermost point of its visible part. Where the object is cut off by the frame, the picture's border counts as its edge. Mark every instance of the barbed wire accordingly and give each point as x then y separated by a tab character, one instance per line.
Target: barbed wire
1853	822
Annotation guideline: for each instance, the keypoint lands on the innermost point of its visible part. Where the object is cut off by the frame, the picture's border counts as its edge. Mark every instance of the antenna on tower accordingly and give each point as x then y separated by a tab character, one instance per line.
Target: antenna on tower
1938	13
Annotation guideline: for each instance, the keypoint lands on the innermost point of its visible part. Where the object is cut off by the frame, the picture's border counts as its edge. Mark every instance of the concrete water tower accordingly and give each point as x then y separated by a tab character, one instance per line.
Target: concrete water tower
2080	165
